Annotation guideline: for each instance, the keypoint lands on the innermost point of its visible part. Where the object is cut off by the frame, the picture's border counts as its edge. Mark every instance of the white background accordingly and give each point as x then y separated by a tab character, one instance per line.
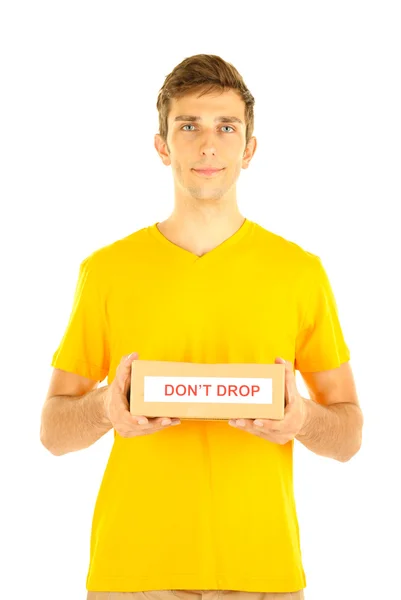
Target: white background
79	83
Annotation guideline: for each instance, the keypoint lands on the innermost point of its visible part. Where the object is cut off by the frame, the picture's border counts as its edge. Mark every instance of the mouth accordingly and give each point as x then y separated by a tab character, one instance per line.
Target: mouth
207	172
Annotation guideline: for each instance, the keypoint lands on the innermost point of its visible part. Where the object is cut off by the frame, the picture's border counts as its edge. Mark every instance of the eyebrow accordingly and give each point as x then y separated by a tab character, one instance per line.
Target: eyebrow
216	120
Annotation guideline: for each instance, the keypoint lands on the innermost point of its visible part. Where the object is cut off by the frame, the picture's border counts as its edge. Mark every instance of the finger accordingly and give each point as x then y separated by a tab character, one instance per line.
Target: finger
130	357
242	423
282	361
124	371
166	421
262	425
156	422
291	383
291	390
268	425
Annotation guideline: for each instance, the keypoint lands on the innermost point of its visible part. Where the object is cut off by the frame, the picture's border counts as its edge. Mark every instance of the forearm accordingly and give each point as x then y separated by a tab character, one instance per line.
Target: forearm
71	423
334	431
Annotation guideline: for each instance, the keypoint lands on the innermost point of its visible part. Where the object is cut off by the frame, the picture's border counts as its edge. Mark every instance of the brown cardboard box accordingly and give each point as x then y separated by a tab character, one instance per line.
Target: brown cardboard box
209	392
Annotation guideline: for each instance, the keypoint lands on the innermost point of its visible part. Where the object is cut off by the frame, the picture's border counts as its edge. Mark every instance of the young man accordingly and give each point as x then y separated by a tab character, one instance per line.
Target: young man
206	508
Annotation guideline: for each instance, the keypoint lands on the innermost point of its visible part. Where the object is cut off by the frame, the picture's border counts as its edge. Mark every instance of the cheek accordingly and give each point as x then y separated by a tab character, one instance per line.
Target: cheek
236	170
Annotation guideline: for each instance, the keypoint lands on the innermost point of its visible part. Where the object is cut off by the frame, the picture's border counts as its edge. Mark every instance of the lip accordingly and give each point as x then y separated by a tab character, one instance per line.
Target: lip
208	172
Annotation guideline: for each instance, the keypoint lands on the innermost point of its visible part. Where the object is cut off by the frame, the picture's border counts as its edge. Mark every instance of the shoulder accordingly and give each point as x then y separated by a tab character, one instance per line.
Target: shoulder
286	252
118	251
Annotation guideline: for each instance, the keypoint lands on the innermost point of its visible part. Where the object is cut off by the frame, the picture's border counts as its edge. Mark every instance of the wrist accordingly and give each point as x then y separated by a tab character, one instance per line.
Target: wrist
103	417
306	415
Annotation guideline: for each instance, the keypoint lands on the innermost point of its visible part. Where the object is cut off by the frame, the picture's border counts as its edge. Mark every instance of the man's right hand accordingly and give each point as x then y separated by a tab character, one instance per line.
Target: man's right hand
117	408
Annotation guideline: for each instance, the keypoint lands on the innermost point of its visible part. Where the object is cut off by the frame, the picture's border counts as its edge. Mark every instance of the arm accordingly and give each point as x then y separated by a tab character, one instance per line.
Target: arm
71	422
334	431
334	419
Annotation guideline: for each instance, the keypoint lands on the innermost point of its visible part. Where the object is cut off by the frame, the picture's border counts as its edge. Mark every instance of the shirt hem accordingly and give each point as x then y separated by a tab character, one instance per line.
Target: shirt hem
191	581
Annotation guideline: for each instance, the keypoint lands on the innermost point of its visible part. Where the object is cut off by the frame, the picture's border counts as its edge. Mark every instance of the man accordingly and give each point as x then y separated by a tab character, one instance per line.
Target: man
204	508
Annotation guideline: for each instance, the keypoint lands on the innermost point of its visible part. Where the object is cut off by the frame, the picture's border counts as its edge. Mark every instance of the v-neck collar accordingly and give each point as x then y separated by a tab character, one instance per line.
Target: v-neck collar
245	228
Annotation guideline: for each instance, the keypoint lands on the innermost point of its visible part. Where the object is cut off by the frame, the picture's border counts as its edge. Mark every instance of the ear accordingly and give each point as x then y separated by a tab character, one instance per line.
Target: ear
162	149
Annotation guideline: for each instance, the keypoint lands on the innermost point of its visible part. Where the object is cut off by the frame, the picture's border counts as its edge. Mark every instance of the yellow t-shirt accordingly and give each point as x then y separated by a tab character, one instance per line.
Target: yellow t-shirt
202	505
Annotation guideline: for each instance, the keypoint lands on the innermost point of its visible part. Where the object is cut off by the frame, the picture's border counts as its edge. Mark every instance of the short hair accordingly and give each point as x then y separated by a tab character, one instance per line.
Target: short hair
203	73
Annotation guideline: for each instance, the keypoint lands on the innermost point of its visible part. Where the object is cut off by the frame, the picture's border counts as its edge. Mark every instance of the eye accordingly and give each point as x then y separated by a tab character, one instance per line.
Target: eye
229	126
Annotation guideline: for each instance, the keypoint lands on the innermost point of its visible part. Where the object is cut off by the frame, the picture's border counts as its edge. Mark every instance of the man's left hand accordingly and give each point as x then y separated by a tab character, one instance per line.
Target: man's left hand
295	414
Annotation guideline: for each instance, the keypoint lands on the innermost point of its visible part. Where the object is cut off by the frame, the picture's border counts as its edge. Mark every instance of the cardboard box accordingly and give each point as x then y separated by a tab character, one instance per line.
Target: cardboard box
208	392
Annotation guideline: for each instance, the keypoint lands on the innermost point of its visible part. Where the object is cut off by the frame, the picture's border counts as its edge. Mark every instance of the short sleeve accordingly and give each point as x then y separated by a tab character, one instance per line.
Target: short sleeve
84	347
320	343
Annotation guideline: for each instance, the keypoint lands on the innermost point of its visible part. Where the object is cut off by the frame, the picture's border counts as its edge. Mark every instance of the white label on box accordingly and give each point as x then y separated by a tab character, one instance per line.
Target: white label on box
219	390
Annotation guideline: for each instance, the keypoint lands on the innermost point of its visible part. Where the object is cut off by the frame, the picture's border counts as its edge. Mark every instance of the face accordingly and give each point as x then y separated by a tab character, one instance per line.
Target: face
208	142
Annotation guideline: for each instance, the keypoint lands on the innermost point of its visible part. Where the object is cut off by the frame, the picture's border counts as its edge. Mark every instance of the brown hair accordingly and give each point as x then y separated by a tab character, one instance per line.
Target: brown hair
205	73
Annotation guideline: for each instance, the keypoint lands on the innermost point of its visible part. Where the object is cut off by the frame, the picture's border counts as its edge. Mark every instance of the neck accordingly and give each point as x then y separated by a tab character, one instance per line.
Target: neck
200	232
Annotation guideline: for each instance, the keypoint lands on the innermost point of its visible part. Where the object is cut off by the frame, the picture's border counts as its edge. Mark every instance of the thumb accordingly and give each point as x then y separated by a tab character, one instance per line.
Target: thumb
128	359
126	370
287	397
